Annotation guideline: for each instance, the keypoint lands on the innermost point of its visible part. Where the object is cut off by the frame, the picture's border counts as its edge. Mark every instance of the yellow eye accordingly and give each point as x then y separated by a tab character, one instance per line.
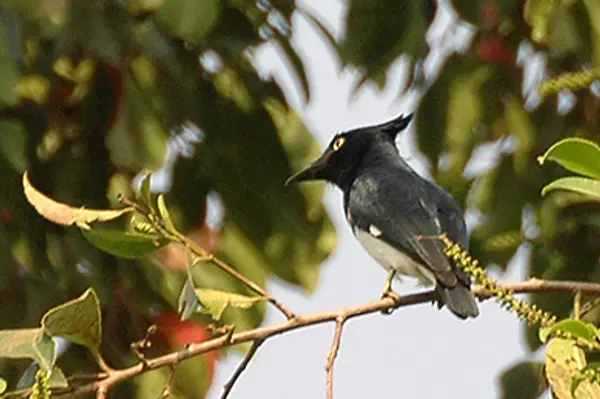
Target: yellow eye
338	143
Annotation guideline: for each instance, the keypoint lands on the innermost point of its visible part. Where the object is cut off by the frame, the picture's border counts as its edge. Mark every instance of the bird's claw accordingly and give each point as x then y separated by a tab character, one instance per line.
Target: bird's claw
389	293
393	296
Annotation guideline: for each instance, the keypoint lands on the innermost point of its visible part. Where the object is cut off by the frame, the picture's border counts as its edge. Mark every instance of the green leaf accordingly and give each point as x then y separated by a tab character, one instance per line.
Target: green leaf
78	320
539	15
523	380
576	154
164	213
58	379
563	363
64	214
3	385
577	328
129	245
31	343
580	185
215	302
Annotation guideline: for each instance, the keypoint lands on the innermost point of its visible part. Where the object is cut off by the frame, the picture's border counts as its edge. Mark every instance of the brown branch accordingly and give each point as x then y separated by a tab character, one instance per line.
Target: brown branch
241	367
333	352
538	285
266	332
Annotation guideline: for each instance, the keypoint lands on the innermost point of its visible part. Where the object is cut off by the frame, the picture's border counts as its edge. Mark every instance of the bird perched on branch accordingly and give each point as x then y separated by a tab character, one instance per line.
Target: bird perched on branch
394	213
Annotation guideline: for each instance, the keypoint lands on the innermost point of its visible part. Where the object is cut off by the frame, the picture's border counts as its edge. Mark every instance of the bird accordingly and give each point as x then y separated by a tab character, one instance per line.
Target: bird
395	214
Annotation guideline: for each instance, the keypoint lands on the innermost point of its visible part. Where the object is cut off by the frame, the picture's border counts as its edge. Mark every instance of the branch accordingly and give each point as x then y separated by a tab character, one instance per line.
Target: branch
263	333
240	369
174	235
333	352
253	286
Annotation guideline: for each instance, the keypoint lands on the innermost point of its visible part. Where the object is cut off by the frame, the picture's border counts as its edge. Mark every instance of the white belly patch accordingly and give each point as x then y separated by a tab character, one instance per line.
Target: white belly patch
390	258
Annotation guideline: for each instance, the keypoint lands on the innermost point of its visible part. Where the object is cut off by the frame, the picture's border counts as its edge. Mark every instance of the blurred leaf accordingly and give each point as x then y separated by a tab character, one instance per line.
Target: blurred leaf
33	87
519	122
78	320
3	385
128	245
378	32
190	20
448	116
580	185
564	361
229	84
282	230
577	328
467	11
564	33
465	94
31	343
324	33
575	154
539	15
141	6
296	65
215	302
523	380
64	214
499	196
593	8
8	69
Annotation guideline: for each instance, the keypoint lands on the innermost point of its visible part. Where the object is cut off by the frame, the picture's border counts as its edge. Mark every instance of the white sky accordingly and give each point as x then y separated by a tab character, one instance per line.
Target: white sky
418	352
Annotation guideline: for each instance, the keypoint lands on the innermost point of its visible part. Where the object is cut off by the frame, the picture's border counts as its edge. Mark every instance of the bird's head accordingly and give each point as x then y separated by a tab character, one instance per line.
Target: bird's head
340	161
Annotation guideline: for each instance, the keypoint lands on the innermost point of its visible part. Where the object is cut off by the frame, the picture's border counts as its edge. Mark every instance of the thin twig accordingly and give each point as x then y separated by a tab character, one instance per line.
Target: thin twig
333	352
254	287
263	333
138	347
577	305
102	393
166	391
240	368
87	377
206	256
538	285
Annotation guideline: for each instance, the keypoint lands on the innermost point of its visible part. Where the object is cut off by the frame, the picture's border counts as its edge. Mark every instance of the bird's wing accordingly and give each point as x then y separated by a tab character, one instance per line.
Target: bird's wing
408	218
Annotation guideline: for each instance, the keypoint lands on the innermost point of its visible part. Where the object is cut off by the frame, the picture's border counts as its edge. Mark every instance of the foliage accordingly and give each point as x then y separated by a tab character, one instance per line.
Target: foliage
93	93
85	107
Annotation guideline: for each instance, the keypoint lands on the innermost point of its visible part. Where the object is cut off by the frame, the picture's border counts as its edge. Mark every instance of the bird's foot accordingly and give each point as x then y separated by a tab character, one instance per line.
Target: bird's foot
388	292
394	297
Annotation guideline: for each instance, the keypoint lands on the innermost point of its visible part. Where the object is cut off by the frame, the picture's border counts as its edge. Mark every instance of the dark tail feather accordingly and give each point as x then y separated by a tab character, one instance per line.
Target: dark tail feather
460	300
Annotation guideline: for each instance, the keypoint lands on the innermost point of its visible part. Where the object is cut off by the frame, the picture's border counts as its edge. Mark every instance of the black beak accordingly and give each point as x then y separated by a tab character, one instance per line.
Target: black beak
313	172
